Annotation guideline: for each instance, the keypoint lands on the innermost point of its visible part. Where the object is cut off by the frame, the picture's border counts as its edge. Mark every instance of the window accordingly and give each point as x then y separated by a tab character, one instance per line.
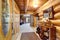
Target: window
5	16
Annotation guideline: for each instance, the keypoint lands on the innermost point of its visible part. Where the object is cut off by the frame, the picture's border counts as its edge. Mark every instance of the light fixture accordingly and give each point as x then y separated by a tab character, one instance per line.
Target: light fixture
35	6
35	3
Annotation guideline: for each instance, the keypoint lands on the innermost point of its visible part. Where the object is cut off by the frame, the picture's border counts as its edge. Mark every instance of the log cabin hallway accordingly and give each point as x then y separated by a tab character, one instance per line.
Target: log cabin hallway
29	19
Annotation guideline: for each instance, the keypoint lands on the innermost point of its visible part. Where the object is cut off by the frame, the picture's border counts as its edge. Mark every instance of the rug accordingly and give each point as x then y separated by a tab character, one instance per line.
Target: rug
29	36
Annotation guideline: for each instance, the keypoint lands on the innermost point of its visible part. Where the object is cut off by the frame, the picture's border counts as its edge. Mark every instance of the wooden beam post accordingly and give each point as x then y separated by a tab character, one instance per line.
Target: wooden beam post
34	21
52	31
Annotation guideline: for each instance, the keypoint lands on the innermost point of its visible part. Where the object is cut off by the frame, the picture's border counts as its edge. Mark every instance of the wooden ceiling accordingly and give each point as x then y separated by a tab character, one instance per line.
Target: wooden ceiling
27	5
21	4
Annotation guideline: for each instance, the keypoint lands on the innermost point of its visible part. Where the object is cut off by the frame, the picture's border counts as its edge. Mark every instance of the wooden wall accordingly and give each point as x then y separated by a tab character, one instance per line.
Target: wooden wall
14	16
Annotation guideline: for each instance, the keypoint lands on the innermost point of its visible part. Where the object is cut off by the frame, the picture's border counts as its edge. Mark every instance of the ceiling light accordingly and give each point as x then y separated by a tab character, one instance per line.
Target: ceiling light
35	3
35	6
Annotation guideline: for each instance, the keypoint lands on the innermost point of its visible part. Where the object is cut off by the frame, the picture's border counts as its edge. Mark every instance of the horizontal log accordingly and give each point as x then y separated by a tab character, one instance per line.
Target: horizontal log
48	4
16	9
57	8
58	32
40	14
52	3
55	22
57	15
40	17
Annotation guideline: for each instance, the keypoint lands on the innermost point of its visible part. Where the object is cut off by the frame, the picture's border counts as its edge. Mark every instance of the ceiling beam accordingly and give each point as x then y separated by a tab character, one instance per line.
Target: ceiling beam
16	9
17	1
26	5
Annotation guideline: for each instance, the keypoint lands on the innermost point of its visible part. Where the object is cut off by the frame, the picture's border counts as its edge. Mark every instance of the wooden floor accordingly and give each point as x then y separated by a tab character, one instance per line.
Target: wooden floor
29	36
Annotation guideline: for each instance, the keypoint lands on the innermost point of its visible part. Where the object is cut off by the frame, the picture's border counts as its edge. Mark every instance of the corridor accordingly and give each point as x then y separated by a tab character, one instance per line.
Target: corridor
27	29
29	19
